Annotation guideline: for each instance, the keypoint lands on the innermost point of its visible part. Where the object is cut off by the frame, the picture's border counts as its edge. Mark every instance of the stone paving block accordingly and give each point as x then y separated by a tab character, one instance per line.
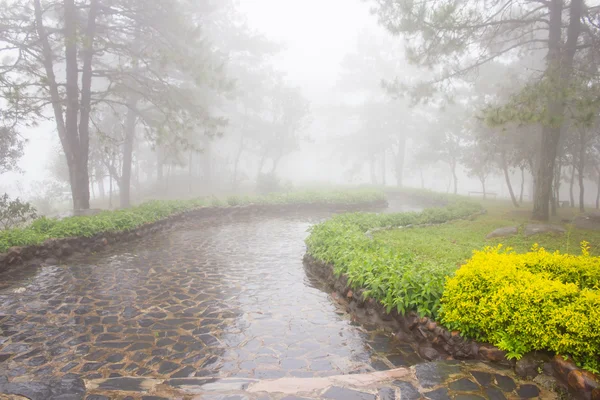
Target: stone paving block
464	385
386	394
435	373
494	394
407	390
484	378
506	383
340	393
528	391
438	394
124	384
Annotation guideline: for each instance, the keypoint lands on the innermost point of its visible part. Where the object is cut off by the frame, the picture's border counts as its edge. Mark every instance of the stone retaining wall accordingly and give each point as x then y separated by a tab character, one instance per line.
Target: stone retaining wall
54	250
435	342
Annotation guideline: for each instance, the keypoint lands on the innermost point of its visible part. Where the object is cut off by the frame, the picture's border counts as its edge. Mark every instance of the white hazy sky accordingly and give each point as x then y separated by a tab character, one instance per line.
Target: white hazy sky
316	35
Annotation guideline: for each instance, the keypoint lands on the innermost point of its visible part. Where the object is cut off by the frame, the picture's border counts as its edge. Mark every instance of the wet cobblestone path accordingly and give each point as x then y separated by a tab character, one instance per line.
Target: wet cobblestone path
212	299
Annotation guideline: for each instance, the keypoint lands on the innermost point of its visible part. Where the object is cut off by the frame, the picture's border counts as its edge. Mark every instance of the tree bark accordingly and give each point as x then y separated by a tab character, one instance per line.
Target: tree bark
507	178
454	176
482	180
559	71
598	192
130	124
581	191
581	170
557	181
522	185
571	185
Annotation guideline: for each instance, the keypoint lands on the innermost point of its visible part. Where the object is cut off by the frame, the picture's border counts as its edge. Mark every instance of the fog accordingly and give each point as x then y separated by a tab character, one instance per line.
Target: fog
210	97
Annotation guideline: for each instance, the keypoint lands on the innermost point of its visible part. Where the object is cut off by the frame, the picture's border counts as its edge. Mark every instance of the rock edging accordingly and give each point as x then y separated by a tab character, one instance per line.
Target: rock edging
52	251
436	342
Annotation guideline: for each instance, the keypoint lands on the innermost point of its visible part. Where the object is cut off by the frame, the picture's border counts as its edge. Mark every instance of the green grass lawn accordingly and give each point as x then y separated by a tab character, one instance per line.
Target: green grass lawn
454	242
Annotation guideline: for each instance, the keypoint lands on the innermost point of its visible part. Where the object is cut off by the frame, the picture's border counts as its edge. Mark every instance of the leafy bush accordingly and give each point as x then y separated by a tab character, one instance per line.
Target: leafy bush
152	211
525	302
15	212
398	279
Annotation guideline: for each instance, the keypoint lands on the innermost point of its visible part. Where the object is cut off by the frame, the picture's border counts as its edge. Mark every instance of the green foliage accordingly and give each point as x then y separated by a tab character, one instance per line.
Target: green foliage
123	220
526	302
395	277
15	212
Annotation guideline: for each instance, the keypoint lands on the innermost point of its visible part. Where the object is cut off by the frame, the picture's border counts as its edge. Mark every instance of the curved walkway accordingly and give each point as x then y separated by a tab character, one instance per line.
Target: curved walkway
211	300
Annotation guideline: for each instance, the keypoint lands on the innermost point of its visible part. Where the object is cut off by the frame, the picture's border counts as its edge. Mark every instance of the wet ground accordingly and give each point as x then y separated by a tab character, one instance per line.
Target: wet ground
221	299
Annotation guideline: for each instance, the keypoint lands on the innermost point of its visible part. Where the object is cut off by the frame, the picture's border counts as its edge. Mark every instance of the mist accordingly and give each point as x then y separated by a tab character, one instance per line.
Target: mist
212	97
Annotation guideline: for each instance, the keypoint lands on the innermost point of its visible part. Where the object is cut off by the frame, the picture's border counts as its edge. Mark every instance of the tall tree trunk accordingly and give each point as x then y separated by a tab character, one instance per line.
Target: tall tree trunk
130	130
581	190
571	184
598	192
422	179
522	184
73	151
581	170
130	124
482	180
400	159
557	180
559	71
507	178
87	55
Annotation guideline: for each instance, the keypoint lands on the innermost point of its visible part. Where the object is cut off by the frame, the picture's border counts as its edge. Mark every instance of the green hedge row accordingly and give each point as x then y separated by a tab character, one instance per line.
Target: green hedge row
396	278
131	218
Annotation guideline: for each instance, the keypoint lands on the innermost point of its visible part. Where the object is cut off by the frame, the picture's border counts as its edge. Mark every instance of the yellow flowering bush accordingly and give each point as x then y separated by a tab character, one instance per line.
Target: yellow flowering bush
524	302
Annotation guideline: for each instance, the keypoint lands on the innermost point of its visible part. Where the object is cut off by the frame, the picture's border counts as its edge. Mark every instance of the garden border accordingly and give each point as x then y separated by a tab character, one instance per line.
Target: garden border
436	342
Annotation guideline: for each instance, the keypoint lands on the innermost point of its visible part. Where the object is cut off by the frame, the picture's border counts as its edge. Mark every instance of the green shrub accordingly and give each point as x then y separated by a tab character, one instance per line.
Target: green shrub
526	302
396	278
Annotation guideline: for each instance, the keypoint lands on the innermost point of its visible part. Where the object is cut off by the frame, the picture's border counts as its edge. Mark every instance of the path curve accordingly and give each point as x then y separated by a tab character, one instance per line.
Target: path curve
213	299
